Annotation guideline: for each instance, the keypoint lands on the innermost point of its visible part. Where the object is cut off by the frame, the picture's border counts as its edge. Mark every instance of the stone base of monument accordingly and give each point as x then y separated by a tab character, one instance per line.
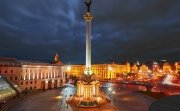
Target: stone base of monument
78	102
88	94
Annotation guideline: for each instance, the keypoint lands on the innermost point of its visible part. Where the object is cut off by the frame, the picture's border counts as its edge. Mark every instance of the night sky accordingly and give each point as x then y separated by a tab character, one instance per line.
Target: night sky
122	30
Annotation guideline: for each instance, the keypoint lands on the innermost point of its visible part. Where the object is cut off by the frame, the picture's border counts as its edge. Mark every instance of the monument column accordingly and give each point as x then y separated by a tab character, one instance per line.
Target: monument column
88	87
88	18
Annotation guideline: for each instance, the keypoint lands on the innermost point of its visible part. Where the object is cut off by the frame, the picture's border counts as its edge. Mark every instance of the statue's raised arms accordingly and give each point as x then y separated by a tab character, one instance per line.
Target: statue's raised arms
88	4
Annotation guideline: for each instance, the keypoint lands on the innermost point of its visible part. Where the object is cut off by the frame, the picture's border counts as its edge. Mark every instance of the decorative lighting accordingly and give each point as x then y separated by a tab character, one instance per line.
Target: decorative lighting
110	68
149	71
140	71
68	68
114	92
58	97
98	99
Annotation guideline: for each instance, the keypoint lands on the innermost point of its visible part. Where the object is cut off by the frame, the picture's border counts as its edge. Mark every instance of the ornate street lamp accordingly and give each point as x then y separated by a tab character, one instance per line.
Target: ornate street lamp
114	95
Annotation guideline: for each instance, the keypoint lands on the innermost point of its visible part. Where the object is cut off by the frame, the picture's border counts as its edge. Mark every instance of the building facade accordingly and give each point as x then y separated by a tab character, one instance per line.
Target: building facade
166	68
177	65
31	75
143	69
134	69
102	71
155	67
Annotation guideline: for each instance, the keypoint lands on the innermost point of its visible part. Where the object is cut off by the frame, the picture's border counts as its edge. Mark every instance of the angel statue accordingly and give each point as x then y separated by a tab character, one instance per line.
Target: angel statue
88	4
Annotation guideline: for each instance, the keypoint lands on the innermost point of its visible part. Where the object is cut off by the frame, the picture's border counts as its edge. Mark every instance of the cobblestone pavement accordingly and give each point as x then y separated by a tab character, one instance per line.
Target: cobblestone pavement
50	100
54	100
127	100
107	107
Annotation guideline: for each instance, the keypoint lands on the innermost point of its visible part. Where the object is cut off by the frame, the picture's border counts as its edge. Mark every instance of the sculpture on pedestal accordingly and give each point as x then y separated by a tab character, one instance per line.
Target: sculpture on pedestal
88	4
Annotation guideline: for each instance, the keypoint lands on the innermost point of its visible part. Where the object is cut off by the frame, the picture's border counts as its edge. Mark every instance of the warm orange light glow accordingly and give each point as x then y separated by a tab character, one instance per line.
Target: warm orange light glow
110	89
114	92
126	99
68	68
58	97
110	68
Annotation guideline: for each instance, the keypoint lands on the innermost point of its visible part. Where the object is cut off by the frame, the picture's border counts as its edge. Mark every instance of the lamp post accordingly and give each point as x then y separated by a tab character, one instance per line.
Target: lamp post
110	69
98	100
68	69
110	89
114	96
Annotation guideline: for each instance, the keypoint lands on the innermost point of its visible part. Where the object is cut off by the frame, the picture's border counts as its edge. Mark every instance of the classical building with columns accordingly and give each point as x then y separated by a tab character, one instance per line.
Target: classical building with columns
102	71
31	75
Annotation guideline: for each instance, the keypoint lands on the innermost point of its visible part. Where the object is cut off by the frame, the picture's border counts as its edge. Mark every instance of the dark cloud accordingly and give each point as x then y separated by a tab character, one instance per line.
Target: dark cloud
121	30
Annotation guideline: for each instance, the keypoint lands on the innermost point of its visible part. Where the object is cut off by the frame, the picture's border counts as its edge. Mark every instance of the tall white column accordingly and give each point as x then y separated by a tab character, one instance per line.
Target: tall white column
88	18
88	44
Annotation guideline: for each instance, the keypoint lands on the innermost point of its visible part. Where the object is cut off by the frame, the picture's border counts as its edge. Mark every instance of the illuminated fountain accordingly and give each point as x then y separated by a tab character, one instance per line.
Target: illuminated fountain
88	88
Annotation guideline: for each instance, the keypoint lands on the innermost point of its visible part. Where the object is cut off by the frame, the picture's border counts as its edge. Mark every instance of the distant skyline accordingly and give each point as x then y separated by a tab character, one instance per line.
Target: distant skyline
122	30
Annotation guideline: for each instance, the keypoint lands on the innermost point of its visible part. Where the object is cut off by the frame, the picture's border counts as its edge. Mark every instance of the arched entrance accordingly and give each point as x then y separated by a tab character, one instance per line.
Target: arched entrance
55	84
43	85
49	84
61	82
